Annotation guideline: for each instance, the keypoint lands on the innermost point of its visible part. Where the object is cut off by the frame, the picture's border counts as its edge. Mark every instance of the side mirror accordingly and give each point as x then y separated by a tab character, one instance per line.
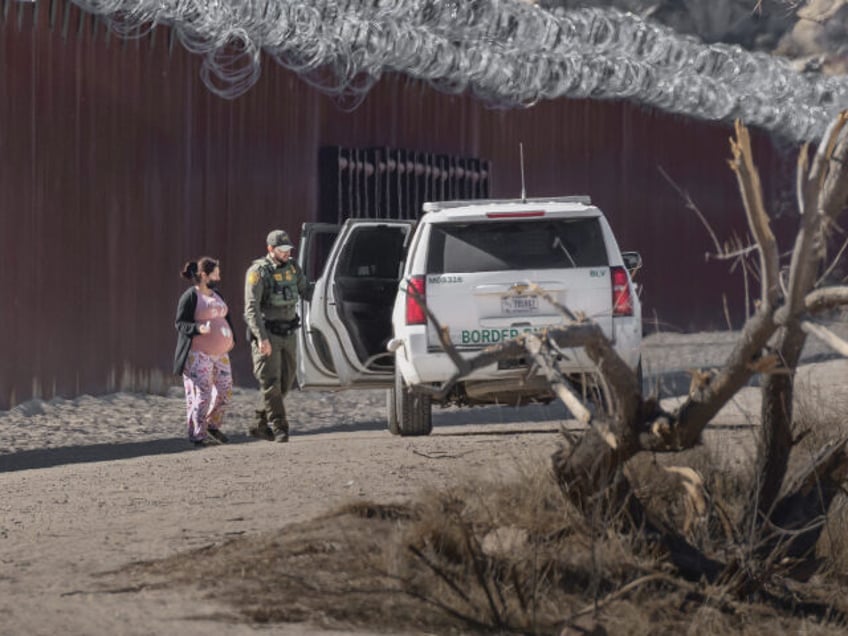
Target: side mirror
632	261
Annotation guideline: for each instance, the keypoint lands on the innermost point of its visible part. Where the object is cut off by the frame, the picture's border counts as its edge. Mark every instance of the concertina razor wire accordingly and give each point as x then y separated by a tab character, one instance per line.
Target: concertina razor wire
508	53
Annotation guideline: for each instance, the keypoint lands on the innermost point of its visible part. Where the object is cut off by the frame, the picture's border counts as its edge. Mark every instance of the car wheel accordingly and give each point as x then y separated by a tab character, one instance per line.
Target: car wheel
391	412
640	377
413	409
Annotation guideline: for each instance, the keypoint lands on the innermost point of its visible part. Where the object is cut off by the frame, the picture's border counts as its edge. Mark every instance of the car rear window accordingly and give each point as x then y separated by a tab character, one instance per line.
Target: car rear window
525	244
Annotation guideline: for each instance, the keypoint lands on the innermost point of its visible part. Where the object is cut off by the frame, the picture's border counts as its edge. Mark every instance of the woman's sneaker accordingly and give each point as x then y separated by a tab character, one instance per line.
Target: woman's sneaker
217	434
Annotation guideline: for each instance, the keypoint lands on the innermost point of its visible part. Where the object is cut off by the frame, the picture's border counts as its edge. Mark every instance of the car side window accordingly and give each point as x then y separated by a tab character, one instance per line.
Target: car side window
373	252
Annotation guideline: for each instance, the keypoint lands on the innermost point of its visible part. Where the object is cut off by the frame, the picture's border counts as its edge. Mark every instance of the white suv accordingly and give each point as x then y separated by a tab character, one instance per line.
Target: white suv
478	265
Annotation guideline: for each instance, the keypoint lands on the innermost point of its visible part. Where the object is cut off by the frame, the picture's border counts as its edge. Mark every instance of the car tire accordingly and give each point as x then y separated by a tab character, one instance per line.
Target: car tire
640	377
391	411
413	409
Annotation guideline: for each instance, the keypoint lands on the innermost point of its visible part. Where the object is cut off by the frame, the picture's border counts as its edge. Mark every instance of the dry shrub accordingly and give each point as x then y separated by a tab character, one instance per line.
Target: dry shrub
833	545
478	557
663	492
511	556
819	419
819	416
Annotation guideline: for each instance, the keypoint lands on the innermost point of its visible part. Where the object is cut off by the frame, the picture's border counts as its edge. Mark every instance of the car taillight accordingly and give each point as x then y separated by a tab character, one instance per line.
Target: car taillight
622	301
415	299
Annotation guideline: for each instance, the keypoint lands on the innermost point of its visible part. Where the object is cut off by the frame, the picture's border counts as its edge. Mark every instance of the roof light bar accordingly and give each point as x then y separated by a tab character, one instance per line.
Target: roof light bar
515	215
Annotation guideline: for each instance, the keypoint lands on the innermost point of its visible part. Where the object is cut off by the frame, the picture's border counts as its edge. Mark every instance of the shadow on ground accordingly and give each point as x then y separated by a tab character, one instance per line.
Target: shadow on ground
527	420
530	415
47	457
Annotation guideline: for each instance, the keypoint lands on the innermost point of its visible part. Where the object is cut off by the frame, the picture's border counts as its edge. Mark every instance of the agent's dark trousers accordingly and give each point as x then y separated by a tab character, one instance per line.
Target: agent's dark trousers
275	374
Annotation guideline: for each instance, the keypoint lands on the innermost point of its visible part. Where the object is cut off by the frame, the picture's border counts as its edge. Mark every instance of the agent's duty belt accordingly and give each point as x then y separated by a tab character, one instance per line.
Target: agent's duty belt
282	327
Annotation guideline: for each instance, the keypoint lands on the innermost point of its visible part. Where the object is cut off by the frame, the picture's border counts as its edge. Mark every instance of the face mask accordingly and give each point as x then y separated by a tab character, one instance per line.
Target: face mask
212	284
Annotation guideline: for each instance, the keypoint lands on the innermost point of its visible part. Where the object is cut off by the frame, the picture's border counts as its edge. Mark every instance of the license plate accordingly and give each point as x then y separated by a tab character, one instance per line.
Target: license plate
519	304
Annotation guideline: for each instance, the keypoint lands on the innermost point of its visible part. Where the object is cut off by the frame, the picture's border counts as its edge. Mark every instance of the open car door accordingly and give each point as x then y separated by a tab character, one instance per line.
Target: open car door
346	315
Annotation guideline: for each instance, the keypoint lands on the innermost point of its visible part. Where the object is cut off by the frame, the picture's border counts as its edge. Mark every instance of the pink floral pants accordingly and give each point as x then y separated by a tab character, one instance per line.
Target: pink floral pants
208	385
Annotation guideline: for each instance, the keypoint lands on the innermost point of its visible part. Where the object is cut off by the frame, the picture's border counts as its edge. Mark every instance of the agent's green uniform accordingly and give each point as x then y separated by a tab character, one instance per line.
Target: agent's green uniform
271	292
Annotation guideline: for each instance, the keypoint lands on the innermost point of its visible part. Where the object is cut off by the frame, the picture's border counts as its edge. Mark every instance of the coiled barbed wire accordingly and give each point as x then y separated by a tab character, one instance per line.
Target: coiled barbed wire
506	52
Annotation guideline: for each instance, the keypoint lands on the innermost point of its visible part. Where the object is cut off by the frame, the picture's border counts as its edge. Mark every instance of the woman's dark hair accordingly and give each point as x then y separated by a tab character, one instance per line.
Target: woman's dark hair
192	269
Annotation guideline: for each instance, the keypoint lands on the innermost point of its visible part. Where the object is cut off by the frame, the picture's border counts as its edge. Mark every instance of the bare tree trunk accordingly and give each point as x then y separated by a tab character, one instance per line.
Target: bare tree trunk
775	443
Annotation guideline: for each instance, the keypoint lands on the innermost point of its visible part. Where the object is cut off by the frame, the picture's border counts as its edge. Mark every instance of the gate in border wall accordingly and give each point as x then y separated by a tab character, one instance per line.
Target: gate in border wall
390	183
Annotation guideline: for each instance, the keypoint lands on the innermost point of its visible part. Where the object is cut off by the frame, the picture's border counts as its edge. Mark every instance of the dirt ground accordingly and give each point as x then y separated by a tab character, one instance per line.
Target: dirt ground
92	485
82	511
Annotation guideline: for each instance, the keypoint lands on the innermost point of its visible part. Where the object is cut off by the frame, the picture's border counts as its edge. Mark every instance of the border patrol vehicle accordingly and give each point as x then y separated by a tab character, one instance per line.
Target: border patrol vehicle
478	265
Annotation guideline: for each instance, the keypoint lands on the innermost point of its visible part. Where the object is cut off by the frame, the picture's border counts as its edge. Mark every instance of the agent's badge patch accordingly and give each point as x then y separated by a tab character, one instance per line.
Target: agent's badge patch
252	277
289	275
278	277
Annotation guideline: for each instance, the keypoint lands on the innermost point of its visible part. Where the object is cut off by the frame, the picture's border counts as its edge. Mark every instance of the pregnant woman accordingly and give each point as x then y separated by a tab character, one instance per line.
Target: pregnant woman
204	340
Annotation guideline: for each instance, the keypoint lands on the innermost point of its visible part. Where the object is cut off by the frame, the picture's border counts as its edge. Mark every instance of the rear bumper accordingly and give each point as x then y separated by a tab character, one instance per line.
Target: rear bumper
435	367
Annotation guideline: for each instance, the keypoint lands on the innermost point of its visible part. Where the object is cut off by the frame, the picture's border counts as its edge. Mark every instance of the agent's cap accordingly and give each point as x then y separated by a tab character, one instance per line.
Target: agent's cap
279	238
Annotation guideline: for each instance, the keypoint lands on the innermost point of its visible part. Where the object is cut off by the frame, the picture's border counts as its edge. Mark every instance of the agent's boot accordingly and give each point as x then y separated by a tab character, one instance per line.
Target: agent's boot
280	425
281	430
260	428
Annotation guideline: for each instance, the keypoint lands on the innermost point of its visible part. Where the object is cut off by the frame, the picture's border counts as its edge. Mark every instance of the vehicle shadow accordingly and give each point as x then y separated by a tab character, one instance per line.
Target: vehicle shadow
529	417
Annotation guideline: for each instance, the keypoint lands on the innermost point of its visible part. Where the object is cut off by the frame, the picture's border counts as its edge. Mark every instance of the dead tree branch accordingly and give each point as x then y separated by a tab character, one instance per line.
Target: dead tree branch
826	336
827	272
692	206
748	177
821	300
559	385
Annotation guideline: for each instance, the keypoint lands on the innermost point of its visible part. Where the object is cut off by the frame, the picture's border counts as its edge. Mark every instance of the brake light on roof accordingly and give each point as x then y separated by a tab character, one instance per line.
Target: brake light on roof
415	299
622	301
515	215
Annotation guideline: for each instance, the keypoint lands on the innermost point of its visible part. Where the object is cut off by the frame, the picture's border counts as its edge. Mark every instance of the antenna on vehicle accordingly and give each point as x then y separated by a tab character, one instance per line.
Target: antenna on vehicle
521	155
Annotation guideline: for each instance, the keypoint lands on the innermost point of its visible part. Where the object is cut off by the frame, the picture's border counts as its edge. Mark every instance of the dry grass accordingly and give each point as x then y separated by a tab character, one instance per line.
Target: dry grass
818	419
507	557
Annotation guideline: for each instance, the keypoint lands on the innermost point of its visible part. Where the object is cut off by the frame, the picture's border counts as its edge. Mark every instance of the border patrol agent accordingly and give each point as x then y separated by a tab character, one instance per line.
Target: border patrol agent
272	287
